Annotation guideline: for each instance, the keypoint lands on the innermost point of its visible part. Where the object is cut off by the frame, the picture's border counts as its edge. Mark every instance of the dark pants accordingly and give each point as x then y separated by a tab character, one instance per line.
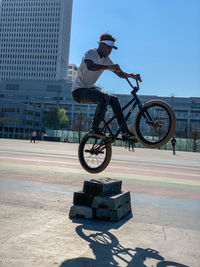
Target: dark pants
33	138
96	96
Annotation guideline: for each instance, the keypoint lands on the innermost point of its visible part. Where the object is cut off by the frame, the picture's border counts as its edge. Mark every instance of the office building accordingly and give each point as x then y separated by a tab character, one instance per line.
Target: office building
34	54
35	39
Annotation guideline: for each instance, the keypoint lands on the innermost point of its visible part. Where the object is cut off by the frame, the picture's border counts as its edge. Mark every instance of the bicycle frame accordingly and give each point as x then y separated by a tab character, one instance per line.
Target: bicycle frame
95	151
136	102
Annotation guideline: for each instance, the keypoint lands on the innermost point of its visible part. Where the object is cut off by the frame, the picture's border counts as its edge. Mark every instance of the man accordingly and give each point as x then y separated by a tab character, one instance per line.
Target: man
173	142
84	91
33	136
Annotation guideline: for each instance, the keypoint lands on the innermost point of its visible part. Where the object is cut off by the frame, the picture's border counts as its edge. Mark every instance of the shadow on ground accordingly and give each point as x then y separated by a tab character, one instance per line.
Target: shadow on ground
108	251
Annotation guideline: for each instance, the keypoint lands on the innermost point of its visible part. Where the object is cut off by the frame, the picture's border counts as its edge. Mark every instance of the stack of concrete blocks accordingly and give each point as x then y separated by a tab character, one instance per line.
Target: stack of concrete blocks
101	199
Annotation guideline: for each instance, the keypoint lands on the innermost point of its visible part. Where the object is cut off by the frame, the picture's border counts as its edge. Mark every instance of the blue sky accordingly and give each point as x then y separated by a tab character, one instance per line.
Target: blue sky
160	39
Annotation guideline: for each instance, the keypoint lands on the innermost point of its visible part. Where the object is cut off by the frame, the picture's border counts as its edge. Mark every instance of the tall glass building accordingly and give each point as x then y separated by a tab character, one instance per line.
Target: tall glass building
35	39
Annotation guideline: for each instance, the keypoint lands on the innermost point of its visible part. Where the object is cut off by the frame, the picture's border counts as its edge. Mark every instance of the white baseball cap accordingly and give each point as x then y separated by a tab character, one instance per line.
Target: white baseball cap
109	43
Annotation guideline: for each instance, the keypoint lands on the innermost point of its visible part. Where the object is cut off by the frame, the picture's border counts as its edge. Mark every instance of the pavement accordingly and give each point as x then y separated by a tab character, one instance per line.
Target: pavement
37	182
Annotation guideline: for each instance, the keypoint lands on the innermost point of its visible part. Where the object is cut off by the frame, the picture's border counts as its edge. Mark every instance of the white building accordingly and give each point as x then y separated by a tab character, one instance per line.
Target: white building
72	70
35	39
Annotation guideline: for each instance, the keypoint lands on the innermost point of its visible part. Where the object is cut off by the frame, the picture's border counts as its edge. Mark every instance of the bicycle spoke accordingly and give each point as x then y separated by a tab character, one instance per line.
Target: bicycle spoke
94	154
157	125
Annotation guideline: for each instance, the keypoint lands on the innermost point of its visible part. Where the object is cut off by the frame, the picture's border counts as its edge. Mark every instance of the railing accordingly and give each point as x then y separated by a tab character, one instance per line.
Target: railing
182	144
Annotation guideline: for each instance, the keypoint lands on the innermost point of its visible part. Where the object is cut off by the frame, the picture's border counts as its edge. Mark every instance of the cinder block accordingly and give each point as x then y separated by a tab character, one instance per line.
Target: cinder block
112	202
82	198
78	211
113	215
102	187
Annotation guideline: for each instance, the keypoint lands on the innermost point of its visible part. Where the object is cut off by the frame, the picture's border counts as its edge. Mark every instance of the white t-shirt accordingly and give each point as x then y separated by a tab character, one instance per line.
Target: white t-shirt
86	78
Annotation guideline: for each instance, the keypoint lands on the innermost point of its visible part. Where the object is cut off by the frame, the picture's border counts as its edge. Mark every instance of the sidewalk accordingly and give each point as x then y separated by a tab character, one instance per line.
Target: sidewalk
37	182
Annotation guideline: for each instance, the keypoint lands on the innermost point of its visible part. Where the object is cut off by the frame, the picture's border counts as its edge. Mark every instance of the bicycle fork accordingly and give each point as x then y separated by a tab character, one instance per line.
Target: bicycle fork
148	118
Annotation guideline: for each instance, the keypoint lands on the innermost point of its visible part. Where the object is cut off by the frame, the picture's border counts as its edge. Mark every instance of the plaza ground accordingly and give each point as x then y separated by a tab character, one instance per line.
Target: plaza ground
37	182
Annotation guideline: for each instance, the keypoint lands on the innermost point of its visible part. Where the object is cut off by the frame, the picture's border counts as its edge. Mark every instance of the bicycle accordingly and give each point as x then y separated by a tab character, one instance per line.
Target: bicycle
154	125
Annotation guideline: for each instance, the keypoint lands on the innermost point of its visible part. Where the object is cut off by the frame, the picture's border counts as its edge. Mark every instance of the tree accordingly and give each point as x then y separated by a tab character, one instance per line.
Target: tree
80	124
63	119
195	138
56	118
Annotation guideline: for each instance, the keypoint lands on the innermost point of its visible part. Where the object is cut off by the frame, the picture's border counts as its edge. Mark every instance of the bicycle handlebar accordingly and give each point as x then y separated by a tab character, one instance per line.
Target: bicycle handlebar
135	88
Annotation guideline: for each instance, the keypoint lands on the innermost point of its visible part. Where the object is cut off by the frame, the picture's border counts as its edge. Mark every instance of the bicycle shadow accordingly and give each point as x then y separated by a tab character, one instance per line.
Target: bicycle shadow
108	251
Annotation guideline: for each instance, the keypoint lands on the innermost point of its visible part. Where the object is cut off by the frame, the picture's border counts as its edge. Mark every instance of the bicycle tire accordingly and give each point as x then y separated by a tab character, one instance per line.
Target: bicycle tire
162	125
94	153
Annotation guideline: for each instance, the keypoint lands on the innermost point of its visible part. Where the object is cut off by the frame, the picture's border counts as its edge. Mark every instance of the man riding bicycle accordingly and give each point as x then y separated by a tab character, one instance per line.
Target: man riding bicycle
84	91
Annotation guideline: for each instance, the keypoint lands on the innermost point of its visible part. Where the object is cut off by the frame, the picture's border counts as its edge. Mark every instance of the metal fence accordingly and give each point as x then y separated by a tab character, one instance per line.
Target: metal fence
182	144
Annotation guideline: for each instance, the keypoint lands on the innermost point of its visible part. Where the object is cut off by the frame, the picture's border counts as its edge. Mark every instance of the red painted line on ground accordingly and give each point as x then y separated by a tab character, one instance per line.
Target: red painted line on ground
162	191
135	188
157	172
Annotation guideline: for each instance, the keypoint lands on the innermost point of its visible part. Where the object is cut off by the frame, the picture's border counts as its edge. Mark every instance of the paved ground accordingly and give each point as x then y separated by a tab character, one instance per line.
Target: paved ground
37	182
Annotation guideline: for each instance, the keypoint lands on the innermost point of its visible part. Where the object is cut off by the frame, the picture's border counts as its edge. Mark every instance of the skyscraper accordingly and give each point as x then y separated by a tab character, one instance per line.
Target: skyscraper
35	39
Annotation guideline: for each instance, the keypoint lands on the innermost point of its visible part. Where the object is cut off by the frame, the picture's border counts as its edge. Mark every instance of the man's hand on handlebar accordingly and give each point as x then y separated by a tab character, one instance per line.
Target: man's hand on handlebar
135	76
118	71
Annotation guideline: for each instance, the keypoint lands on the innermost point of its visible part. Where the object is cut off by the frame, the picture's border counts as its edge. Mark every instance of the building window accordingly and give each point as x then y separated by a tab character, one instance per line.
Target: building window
12	86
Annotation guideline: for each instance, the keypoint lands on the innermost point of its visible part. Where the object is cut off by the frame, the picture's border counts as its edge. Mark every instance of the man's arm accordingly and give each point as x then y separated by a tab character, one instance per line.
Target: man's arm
94	67
114	68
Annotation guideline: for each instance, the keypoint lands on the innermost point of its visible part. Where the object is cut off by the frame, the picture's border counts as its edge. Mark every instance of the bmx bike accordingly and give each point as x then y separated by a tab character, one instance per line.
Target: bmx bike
153	126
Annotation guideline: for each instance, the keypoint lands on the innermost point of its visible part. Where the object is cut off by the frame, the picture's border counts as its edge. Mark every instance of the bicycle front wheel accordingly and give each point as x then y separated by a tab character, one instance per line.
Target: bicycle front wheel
94	153
154	124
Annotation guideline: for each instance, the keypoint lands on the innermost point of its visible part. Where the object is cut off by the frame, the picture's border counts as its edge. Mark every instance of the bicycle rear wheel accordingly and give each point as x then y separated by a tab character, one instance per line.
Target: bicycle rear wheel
155	124
94	153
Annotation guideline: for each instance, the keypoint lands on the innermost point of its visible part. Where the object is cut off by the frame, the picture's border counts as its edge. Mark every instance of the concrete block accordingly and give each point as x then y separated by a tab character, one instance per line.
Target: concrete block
113	215
78	211
112	202
102	187
82	198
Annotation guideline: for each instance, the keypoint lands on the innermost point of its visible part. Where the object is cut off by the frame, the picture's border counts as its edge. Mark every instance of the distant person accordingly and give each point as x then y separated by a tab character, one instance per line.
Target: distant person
43	134
84	90
131	145
173	142
33	136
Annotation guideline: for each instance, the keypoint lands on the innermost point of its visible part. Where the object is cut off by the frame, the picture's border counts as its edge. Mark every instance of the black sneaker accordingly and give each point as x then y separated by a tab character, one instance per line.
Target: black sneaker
129	136
97	132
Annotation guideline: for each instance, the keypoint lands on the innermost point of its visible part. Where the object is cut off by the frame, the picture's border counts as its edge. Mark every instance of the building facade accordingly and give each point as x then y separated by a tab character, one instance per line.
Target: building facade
35	39
72	70
17	120
47	94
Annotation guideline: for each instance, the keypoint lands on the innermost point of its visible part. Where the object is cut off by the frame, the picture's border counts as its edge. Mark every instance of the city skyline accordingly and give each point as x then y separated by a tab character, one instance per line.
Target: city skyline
162	45
159	39
26	30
